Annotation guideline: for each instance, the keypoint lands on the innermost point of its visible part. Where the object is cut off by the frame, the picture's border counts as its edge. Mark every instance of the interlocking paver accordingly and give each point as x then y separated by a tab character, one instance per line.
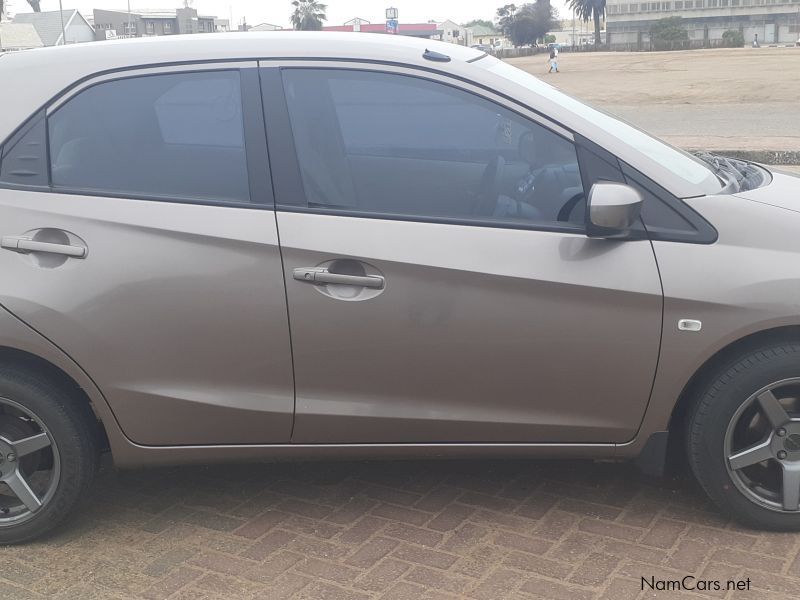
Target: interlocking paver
471	529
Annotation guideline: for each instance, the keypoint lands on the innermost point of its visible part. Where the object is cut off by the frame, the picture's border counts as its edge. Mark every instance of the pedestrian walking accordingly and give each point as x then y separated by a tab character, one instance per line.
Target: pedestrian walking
553	59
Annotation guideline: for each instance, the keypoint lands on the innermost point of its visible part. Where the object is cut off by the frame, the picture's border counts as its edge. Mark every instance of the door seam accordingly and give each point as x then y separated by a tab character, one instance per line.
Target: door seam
280	253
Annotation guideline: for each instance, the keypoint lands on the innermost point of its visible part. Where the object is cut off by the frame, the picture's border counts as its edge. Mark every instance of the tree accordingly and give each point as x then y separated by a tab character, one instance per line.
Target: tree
505	16
308	15
528	23
2	8
35	5
668	34
590	10
481	23
733	38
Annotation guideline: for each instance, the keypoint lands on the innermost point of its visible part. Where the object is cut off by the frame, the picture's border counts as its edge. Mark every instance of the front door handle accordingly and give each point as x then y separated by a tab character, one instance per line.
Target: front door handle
321	276
26	244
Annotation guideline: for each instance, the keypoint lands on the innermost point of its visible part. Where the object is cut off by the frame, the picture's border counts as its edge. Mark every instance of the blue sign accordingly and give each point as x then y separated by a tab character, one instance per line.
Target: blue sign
392	26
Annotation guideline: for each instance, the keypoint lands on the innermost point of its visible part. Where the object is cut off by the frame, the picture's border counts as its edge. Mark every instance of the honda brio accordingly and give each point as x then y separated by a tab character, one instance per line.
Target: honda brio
327	245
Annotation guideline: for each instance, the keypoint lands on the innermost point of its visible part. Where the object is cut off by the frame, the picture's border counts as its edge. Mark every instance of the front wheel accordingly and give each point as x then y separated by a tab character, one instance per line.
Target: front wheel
48	455
744	438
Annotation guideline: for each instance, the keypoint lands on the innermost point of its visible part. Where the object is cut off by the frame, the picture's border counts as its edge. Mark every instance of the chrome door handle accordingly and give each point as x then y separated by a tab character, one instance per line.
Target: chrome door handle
323	276
25	244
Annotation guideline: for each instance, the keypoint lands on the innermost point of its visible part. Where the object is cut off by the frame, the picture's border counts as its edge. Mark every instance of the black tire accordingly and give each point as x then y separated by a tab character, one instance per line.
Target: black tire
723	399
73	429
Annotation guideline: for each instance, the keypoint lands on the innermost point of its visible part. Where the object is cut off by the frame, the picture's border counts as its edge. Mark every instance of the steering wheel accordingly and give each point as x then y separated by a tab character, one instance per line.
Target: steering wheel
489	187
569	206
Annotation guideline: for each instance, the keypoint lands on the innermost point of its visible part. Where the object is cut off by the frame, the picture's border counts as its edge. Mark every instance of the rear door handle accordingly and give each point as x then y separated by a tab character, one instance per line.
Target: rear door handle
321	276
25	244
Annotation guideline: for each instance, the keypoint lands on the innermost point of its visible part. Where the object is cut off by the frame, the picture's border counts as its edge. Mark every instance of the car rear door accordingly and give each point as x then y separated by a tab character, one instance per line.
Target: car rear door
440	285
146	248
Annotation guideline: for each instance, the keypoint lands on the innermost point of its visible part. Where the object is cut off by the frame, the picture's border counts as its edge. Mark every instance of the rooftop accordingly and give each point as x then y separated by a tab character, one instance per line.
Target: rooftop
48	24
19	36
483	30
154	13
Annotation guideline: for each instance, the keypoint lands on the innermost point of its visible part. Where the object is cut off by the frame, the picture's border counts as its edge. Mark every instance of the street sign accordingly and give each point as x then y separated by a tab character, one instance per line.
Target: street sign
392	26
391	14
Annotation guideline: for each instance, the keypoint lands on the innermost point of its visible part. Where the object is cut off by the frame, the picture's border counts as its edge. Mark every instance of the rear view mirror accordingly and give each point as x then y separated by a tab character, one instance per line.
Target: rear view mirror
612	209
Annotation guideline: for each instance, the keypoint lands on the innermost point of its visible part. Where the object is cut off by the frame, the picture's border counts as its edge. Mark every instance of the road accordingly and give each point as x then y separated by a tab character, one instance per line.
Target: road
724	99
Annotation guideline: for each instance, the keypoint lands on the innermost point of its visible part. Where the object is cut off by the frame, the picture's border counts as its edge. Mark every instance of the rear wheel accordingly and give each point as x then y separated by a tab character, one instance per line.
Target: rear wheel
744	438
48	455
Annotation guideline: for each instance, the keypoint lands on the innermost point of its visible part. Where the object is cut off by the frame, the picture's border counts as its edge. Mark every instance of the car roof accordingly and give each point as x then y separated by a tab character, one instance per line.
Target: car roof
44	73
266	44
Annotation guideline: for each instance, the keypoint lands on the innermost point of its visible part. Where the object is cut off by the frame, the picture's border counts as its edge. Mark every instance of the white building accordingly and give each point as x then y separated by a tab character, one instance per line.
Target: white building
18	36
454	33
265	27
49	26
773	21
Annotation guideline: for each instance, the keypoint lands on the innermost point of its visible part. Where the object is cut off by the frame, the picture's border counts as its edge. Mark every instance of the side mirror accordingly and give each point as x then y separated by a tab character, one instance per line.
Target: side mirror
612	209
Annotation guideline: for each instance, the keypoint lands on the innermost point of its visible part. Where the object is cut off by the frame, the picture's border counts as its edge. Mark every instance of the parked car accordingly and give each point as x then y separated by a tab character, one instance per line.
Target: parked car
429	254
483	47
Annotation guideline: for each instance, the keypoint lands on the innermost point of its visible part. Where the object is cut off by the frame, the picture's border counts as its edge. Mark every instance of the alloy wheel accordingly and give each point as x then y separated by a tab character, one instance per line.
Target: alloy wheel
762	447
30	466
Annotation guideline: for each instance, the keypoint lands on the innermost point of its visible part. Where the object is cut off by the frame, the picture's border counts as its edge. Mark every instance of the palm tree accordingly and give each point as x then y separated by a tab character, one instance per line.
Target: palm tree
590	10
35	5
308	15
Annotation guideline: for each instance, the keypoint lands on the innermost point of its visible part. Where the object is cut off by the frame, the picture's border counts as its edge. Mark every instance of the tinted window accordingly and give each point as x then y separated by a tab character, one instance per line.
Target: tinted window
683	165
171	136
397	145
23	161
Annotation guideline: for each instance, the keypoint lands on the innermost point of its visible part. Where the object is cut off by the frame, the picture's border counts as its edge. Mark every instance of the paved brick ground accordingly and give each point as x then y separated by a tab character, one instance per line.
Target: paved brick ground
481	530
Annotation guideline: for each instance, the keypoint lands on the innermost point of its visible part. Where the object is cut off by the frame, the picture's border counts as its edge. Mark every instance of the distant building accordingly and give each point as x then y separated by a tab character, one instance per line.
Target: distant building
222	25
421	30
265	27
357	23
773	21
48	26
454	33
111	24
18	36
487	36
576	37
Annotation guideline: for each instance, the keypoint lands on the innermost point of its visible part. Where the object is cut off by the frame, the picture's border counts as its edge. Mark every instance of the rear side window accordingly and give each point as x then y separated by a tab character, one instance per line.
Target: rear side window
165	136
398	146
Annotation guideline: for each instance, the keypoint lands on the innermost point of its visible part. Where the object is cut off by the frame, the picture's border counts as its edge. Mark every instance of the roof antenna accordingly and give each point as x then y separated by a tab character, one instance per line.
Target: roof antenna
435	56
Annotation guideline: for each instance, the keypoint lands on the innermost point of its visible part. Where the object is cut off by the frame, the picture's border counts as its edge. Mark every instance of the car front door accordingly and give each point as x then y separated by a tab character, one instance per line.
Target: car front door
439	281
147	250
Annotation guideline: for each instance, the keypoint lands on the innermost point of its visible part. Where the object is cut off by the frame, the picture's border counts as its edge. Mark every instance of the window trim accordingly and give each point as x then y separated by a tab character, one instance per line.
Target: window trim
704	232
256	158
287	179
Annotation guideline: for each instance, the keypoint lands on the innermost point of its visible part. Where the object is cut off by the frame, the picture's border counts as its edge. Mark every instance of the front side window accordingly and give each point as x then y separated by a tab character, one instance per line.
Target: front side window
396	145
176	135
681	164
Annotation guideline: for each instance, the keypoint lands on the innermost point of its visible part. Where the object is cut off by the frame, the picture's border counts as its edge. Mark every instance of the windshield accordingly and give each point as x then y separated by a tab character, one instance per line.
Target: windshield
678	162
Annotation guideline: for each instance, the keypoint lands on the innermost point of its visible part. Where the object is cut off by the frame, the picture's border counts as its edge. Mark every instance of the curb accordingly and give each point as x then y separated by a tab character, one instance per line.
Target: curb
765	157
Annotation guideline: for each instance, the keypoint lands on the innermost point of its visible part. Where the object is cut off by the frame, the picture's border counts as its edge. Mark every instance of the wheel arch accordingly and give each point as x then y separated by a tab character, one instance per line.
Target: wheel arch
16	358
713	365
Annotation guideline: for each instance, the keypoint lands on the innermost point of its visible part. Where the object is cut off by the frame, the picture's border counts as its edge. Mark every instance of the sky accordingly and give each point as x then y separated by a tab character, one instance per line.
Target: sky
277	11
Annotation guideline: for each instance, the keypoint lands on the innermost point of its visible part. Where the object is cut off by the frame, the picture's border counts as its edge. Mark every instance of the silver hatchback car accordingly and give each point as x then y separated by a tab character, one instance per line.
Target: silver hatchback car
285	246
